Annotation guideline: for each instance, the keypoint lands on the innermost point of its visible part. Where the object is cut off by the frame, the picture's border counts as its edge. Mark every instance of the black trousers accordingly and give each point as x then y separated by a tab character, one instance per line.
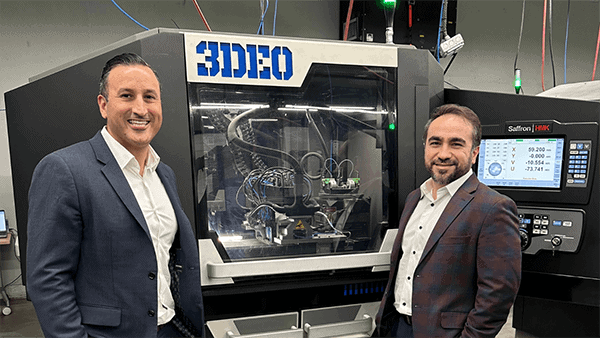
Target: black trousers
394	324
168	331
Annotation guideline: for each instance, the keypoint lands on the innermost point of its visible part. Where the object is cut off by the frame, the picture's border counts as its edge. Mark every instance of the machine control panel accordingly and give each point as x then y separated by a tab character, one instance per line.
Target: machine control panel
578	163
557	230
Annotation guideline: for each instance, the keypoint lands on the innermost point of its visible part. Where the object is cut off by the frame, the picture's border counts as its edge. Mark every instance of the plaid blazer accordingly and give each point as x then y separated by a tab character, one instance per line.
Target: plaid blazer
470	271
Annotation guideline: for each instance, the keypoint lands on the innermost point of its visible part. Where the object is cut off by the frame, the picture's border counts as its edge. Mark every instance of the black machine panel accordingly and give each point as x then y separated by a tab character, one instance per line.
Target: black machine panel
543	153
550	229
545	161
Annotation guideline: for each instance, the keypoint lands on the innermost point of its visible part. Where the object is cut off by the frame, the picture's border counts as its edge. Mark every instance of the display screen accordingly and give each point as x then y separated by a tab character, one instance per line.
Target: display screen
521	162
2	222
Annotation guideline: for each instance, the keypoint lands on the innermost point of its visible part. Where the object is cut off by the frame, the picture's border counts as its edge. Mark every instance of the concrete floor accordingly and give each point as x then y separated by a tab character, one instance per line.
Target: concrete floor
22	322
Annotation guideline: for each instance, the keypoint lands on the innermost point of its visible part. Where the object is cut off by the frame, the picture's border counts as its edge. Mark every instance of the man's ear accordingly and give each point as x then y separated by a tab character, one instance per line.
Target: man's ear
102	102
475	153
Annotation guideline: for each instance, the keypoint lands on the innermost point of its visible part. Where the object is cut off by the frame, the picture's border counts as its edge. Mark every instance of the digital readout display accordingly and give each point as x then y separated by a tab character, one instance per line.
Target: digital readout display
521	162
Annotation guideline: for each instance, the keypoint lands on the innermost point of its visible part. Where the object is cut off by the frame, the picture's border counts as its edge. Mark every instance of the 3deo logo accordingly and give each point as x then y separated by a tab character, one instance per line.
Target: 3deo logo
253	62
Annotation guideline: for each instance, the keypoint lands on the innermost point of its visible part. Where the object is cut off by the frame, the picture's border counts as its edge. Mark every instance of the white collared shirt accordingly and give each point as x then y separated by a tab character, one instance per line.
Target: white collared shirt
416	234
158	212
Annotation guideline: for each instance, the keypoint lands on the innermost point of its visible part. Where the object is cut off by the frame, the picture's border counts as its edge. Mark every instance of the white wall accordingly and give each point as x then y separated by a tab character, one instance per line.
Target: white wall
36	36
490	29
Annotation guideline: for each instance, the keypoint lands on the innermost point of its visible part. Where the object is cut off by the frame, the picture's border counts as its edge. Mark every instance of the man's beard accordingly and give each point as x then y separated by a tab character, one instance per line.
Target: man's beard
449	175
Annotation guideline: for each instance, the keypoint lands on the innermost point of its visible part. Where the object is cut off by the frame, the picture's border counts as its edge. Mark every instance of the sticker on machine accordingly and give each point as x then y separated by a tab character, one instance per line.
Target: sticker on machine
270	61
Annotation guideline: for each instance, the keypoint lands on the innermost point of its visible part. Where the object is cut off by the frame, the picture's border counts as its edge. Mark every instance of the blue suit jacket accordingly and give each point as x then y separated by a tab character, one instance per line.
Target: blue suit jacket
470	270
90	259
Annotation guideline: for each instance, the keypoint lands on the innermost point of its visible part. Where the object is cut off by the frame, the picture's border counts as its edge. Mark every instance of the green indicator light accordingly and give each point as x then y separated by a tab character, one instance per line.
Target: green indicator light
517	80
387	4
552	140
391	126
519	140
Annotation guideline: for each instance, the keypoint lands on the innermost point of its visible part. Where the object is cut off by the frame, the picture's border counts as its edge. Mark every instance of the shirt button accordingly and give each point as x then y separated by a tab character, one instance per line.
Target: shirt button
420	227
418	276
408	277
151	313
403	304
414	252
432	204
152	275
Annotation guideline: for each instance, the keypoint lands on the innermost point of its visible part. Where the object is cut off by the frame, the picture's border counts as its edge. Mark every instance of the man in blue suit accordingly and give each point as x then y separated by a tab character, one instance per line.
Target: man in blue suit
456	262
110	251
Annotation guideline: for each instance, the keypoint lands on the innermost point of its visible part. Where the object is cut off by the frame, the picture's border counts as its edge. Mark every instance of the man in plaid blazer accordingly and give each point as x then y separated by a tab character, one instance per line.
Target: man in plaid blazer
456	262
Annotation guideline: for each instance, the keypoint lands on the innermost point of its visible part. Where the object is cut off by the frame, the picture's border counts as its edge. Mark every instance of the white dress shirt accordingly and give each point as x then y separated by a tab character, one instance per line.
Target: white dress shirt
416	234
158	212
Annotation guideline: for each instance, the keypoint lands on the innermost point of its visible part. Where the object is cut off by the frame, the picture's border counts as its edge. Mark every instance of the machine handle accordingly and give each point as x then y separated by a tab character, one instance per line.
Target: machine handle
292	265
364	326
292	333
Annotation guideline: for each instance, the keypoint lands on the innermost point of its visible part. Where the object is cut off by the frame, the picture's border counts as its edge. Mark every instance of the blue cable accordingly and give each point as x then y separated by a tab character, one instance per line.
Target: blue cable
567	38
439	33
262	20
129	16
275	17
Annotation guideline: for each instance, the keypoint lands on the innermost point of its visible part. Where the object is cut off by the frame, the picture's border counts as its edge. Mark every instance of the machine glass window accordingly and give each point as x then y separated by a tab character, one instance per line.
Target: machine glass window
295	171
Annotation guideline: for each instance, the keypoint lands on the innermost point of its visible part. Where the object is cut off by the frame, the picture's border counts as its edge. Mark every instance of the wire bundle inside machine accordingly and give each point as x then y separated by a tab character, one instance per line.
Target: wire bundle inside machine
307	199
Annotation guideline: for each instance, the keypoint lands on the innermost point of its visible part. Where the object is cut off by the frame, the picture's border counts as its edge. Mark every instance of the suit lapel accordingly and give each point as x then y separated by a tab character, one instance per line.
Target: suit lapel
409	206
459	201
117	180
